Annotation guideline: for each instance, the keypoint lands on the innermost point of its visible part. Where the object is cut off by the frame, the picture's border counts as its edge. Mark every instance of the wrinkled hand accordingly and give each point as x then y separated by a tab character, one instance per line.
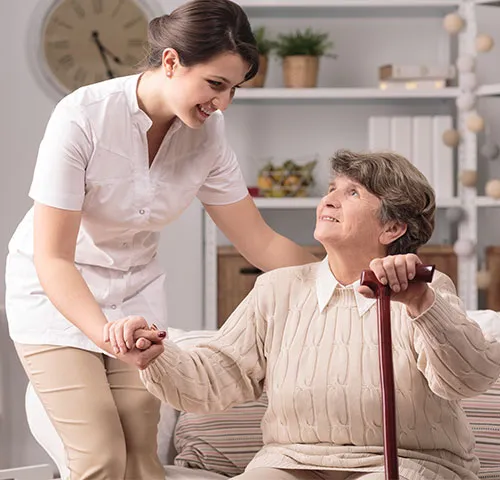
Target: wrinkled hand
396	271
133	341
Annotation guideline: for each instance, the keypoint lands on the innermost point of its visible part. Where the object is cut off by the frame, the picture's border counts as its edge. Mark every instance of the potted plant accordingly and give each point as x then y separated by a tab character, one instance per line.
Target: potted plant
264	46
300	52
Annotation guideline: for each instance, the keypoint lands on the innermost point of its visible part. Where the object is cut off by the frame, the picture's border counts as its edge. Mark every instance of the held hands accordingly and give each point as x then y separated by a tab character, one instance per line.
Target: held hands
397	271
133	341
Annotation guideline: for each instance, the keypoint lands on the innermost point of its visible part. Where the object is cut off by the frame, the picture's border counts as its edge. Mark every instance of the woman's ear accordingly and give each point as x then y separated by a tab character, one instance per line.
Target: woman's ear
391	232
169	61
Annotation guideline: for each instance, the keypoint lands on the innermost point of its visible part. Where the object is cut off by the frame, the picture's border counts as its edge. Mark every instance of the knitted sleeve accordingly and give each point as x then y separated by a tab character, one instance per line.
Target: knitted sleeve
227	369
456	358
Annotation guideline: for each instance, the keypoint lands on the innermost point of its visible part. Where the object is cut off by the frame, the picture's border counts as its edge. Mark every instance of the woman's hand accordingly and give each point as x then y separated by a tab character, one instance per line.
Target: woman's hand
133	341
397	271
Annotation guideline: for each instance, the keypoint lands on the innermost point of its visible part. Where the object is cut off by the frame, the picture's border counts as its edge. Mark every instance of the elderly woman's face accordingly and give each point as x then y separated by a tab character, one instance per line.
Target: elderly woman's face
348	216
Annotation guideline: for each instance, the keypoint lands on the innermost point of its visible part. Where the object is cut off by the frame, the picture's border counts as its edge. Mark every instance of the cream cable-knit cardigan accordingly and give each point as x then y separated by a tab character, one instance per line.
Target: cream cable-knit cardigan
320	370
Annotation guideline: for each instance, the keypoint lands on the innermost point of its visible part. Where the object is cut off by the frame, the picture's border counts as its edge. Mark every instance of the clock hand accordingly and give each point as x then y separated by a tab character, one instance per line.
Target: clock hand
114	57
95	38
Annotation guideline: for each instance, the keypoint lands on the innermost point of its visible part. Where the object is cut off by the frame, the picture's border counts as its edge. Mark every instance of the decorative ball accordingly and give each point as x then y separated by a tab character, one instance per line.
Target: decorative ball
475	123
493	188
469	81
464	247
490	150
455	214
451	138
468	178
484	43
453	23
466	64
483	279
466	101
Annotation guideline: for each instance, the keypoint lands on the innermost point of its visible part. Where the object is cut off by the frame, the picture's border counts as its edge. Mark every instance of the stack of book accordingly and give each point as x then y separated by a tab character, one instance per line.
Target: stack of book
420	139
415	77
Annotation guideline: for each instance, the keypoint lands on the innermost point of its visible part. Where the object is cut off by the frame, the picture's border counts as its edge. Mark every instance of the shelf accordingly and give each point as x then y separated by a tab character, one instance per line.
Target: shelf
312	202
492	90
351	8
287	203
487	202
339	94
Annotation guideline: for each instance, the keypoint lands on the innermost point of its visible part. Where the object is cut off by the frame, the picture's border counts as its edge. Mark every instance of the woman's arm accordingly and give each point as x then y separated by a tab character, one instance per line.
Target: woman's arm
55	234
245	228
453	354
228	369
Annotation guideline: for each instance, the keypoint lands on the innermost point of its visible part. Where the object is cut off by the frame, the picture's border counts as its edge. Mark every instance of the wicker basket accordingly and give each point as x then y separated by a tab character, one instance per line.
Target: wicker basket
259	79
300	71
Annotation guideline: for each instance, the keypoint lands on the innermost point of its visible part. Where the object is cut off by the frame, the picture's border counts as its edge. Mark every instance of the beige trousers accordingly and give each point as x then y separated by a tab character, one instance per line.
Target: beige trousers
280	474
98	405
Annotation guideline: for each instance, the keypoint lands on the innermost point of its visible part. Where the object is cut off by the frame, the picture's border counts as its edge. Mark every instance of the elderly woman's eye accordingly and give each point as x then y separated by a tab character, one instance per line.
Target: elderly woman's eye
354	192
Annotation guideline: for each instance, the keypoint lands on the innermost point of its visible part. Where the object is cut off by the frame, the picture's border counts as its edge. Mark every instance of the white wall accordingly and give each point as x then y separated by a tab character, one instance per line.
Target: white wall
256	132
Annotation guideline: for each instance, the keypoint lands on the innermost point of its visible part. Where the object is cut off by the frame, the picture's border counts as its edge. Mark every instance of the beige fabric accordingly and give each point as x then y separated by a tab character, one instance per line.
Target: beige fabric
277	474
322	379
105	417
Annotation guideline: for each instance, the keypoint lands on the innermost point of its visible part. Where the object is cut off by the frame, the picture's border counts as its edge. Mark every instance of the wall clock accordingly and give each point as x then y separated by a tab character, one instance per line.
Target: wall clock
79	42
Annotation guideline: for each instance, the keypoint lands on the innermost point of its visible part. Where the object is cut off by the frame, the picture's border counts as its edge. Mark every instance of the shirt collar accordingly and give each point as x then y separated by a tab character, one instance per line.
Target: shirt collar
140	116
326	284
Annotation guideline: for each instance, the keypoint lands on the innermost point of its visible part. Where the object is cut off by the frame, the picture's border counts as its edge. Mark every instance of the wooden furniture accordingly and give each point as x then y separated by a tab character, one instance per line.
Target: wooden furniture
493	265
236	277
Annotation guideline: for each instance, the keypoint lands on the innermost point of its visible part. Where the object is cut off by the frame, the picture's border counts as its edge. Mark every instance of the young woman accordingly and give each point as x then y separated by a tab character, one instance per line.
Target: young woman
120	160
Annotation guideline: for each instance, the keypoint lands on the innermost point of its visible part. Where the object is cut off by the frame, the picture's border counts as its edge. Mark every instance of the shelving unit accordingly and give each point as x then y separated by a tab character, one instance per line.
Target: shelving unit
467	152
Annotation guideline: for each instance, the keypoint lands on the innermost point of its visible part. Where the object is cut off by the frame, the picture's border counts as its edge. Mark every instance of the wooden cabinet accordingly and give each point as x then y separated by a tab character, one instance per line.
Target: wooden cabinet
236	277
493	265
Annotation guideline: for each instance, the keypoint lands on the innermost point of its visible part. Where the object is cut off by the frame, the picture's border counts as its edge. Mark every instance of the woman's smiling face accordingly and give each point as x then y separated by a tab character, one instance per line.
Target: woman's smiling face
348	215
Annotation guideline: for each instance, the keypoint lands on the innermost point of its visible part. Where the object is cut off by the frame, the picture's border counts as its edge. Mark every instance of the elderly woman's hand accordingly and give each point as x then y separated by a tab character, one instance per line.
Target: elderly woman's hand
133	341
396	271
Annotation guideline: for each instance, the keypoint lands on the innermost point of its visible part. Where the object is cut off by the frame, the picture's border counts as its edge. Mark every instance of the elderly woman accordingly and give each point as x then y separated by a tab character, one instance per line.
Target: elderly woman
308	335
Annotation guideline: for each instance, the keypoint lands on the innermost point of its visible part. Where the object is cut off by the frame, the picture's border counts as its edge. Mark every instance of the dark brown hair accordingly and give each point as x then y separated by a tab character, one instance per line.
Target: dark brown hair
405	194
199	31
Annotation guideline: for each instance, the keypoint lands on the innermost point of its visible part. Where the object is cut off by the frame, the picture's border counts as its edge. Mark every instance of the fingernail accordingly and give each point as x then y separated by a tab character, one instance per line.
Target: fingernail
116	351
395	288
404	286
162	334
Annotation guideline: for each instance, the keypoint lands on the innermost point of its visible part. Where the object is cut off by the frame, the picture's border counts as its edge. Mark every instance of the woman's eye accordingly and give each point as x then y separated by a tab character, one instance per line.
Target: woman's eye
354	192
214	83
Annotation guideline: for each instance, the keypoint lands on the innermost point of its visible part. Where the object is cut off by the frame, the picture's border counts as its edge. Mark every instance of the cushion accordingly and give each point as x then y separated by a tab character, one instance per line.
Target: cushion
223	442
483	413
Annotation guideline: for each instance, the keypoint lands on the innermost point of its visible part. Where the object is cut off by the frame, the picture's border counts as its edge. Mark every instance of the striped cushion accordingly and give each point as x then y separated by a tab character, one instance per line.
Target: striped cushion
483	413
223	442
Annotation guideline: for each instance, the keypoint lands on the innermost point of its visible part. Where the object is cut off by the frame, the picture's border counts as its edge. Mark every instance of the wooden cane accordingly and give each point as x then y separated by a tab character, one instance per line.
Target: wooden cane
382	293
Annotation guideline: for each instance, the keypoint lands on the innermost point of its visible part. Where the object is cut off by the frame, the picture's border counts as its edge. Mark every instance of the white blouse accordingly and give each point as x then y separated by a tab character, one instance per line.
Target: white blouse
94	158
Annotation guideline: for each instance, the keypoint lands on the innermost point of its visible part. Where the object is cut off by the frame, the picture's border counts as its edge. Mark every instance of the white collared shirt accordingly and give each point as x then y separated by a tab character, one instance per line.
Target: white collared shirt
326	283
94	158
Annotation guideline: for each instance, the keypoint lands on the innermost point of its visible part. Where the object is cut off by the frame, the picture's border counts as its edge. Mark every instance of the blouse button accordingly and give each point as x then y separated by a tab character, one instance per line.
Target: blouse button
142	211
113	307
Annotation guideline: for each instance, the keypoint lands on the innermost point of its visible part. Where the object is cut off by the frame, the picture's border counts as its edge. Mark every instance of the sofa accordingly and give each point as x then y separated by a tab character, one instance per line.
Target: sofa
218	446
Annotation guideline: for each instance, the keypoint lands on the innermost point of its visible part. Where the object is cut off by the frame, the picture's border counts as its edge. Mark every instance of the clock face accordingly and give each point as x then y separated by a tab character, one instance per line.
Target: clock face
87	41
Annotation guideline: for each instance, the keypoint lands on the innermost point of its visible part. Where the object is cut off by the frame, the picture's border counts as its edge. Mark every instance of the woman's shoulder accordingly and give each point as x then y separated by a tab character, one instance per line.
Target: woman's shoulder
289	275
99	93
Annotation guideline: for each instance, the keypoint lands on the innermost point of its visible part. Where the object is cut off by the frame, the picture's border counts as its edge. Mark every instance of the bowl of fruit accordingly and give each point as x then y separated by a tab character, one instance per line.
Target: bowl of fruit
287	180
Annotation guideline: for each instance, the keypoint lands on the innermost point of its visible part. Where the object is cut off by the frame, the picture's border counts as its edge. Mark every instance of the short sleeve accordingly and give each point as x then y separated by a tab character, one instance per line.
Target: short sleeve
225	183
66	147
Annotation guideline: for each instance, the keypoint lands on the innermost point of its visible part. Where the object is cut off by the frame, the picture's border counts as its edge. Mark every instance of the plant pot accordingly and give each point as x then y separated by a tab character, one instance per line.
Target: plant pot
259	79
300	71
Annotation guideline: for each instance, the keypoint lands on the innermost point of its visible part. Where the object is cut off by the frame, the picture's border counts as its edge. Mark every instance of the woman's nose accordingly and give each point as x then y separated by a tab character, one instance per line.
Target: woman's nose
223	101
